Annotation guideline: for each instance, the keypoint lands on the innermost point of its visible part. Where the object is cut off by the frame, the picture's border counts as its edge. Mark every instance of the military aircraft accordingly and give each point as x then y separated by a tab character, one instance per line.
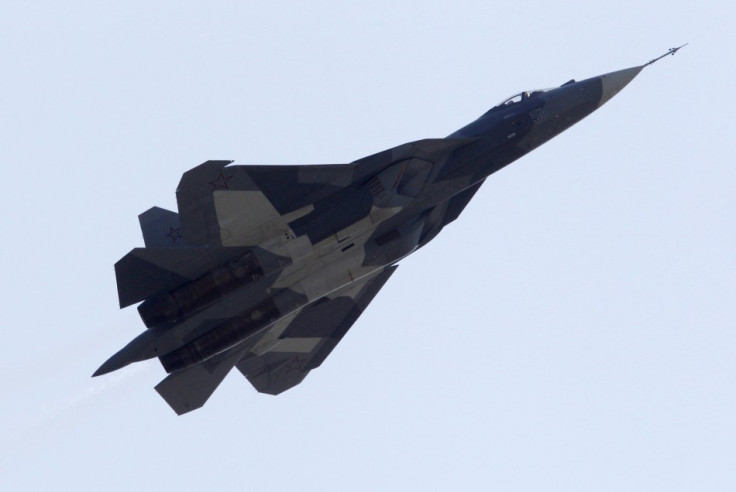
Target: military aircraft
265	268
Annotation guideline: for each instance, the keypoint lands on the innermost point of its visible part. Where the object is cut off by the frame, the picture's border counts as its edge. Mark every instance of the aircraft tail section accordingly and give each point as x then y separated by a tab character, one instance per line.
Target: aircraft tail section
161	228
147	272
190	388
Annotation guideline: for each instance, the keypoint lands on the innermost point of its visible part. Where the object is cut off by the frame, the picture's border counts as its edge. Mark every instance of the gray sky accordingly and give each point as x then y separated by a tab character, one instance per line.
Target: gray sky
574	330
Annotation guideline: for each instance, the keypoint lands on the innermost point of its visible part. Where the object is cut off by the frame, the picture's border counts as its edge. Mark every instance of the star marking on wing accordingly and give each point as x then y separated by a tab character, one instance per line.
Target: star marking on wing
220	183
174	233
295	364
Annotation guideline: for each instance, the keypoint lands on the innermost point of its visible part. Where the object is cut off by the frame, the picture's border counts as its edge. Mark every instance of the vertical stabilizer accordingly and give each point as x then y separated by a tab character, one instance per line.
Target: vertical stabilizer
161	228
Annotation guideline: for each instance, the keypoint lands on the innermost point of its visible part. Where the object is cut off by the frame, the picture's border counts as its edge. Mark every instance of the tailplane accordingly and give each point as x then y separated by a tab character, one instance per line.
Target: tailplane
190	388
147	272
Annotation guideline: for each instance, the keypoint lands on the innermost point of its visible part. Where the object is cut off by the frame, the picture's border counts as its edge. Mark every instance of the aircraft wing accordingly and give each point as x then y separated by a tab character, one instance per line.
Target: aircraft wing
218	202
243	205
457	204
311	336
447	212
306	340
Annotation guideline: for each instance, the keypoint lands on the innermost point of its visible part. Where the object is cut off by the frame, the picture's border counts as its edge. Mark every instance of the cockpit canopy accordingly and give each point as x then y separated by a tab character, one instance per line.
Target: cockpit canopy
516	98
522	96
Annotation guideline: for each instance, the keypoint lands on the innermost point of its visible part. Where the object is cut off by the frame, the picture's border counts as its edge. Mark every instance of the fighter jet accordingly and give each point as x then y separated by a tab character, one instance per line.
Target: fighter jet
265	268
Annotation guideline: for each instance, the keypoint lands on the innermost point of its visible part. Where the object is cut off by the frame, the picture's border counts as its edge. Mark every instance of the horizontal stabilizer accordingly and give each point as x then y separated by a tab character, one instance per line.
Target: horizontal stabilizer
146	272
190	388
161	228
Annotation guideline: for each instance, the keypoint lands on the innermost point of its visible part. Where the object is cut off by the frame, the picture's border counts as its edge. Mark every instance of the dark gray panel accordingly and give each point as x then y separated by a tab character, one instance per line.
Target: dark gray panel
196	206
290	188
146	272
458	203
320	318
139	279
275	372
334	213
161	228
190	388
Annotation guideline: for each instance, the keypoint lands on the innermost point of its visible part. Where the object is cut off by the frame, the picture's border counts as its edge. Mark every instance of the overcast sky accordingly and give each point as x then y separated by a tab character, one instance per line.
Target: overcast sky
573	330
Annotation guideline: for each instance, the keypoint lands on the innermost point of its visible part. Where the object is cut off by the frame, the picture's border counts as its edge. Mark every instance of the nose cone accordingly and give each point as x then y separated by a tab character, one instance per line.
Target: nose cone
613	82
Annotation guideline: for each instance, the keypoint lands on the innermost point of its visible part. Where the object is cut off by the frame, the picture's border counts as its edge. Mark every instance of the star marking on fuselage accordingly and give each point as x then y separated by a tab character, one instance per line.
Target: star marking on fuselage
220	183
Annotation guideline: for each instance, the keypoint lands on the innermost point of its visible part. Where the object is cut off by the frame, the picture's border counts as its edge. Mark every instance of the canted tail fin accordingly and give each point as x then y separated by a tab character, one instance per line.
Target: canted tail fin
161	228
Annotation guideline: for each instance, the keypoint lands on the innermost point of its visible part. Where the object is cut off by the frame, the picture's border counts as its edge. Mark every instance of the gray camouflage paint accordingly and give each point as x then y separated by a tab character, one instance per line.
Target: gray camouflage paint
265	268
